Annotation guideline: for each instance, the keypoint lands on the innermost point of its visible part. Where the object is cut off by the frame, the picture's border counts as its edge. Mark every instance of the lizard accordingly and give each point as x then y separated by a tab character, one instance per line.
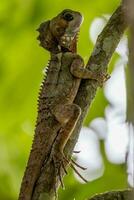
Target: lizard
57	114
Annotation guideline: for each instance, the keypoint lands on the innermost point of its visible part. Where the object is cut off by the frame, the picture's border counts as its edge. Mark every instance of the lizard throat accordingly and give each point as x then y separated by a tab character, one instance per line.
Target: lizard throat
69	43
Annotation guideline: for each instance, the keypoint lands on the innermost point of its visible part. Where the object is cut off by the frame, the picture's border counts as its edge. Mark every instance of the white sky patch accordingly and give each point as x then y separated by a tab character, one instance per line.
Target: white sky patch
96	27
122	48
99	125
90	156
116	143
115	89
115	114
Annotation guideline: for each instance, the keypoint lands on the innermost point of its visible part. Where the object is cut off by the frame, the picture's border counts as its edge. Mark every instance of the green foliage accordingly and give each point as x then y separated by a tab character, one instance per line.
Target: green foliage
21	65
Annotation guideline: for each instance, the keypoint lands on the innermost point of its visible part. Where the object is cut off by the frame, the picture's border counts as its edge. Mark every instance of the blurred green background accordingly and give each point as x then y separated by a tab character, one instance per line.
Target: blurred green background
21	65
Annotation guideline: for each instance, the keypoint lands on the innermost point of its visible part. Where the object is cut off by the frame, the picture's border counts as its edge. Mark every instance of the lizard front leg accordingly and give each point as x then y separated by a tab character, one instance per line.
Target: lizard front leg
68	116
78	70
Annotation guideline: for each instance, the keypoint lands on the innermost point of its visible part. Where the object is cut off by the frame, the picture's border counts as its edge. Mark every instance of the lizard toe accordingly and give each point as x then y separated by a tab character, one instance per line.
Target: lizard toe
72	164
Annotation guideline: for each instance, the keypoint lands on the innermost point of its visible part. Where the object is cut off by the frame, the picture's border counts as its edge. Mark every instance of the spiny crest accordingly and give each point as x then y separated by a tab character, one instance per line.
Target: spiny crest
45	70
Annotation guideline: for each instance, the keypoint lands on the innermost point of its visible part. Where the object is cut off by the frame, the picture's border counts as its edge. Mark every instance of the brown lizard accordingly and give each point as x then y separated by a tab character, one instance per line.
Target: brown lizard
57	114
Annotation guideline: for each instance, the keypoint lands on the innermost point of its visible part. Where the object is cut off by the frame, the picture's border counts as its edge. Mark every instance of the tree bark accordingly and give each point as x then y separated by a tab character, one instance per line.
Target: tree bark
115	195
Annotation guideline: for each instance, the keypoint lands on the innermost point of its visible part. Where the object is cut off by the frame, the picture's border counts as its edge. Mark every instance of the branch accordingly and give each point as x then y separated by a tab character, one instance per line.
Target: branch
118	195
104	48
102	53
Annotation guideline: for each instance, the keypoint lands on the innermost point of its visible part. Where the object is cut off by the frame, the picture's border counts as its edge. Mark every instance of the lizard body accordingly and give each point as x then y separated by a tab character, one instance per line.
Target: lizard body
57	114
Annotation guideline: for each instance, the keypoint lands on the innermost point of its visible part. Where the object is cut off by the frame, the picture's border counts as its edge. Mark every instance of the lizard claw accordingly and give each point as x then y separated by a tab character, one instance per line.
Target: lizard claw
106	77
59	164
72	164
102	78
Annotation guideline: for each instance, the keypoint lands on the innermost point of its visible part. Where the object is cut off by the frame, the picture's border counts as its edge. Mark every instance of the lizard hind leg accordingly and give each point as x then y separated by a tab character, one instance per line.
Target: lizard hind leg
68	115
60	164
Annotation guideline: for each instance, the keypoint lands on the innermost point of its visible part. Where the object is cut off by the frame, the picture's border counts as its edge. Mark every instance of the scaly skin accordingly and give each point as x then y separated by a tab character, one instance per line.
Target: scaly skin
57	114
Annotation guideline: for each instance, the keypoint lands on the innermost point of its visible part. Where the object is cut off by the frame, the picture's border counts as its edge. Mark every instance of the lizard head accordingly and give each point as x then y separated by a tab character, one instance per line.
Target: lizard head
60	33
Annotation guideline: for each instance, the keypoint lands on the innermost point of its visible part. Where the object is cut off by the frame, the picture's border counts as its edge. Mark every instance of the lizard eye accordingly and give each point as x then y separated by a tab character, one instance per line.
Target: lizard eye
68	17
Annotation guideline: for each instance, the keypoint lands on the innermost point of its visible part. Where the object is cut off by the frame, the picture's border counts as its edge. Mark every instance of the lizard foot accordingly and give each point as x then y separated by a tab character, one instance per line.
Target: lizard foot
59	166
72	164
102	78
60	162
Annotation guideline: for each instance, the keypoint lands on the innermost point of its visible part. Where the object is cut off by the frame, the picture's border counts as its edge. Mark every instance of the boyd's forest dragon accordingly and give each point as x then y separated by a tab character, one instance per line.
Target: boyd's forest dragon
57	114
